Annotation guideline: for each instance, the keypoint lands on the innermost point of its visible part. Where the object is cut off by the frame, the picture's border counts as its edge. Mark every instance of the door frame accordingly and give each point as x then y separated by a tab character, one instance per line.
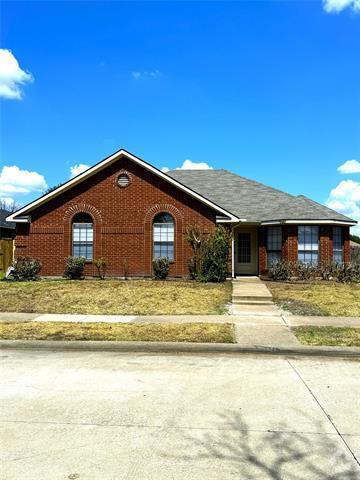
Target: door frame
254	270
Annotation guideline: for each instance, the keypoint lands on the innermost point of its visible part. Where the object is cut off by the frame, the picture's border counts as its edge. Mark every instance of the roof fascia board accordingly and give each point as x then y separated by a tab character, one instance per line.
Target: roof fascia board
25	219
107	161
315	222
225	220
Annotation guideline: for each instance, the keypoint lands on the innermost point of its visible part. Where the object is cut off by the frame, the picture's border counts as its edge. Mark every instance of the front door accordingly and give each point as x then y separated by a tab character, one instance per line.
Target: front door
246	258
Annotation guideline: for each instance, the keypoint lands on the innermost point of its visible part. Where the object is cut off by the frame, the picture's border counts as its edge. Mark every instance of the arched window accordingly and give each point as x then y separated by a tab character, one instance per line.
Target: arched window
163	230
82	236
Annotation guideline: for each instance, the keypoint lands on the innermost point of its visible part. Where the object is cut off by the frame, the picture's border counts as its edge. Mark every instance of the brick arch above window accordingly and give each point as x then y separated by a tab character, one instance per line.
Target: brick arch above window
82	207
162	207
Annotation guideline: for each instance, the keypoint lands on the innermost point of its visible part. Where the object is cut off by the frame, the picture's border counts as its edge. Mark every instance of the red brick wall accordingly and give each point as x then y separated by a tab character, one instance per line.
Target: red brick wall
325	244
122	222
290	243
262	250
346	237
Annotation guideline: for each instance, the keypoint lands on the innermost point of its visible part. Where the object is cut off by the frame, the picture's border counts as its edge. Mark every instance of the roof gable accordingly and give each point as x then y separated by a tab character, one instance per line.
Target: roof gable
22	215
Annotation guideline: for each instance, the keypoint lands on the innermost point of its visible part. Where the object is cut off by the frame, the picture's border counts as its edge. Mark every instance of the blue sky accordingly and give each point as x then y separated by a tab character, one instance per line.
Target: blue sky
269	90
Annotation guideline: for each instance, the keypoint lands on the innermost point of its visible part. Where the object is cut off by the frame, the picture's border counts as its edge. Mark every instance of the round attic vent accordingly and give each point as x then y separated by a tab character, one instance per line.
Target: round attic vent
123	180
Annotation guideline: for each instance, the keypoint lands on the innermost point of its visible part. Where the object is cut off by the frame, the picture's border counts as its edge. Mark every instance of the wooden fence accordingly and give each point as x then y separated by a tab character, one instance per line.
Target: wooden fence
6	254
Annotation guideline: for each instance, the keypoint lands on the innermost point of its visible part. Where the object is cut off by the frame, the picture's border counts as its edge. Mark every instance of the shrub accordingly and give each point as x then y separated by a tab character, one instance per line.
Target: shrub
211	252
281	270
100	264
161	268
216	254
306	271
25	268
328	271
74	269
348	273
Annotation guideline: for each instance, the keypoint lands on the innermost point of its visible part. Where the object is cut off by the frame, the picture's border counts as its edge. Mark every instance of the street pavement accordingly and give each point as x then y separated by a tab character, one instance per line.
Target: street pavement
106	415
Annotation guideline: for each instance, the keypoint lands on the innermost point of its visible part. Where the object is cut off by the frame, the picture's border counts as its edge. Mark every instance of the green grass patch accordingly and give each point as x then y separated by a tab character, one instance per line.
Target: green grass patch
330	336
119	332
323	298
109	297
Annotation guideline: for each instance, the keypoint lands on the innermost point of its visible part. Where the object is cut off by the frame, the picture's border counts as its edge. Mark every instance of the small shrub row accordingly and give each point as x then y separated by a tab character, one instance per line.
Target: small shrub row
27	268
283	270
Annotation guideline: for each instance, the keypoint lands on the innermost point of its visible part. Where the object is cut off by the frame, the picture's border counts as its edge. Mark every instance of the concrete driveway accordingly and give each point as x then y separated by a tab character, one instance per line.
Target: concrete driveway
82	415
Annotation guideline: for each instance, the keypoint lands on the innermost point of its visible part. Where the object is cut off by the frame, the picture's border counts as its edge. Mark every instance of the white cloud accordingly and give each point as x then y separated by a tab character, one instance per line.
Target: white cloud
336	6
345	198
12	76
350	166
14	181
190	165
138	75
77	169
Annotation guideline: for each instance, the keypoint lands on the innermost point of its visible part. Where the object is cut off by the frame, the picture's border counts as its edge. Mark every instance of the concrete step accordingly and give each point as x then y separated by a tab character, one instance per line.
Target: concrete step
252	302
250	298
247	280
255	310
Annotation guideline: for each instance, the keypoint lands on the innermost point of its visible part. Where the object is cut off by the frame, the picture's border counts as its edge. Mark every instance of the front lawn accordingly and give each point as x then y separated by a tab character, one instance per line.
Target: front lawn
325	298
132	297
120	332
330	336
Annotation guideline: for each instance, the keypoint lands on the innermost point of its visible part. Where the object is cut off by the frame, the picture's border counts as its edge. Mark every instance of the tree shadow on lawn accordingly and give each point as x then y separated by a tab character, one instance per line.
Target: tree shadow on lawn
277	455
300	307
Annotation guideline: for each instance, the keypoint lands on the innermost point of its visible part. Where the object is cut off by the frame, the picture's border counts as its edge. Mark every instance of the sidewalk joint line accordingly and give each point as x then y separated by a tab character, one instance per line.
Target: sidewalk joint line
324	411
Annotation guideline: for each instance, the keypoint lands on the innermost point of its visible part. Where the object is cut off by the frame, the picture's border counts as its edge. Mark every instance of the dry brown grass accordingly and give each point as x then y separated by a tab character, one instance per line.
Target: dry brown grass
335	299
132	297
330	336
144	332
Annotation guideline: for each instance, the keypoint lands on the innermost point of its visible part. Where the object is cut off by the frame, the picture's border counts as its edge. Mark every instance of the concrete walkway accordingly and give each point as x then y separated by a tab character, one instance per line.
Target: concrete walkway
260	321
251	297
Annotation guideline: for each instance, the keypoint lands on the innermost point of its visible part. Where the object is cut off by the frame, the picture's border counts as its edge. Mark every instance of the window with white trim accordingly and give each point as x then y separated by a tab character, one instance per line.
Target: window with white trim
163	236
82	236
273	244
308	244
338	245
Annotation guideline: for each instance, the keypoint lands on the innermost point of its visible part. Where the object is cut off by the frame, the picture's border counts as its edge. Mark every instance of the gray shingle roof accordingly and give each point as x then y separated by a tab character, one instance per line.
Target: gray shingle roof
3	215
252	200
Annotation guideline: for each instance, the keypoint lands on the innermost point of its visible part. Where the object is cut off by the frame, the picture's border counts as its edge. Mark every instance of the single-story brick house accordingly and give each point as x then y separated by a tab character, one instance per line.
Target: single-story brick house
127	211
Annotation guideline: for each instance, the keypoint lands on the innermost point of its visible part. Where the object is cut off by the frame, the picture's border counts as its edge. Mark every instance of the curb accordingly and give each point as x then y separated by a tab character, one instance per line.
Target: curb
177	347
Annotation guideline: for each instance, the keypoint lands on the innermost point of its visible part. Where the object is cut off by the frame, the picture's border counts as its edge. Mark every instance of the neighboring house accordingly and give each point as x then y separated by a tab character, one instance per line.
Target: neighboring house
128	212
7	229
7	234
